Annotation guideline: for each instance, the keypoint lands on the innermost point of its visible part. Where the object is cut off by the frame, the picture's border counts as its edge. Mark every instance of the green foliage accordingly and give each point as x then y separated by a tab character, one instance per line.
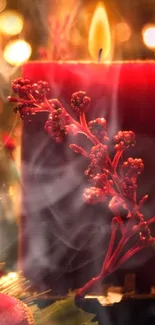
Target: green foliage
63	312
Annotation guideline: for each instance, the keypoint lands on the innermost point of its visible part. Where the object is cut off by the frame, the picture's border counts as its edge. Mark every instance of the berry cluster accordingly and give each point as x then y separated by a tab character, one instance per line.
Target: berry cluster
55	126
80	102
132	167
98	161
25	89
93	195
98	180
128	188
124	139
109	178
129	171
98	128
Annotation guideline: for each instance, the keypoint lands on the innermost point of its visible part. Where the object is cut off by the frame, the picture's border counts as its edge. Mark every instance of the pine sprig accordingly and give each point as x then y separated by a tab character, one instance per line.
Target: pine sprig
63	312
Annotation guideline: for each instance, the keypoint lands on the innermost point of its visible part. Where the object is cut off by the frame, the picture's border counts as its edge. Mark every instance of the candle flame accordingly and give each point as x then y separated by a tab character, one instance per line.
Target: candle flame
99	34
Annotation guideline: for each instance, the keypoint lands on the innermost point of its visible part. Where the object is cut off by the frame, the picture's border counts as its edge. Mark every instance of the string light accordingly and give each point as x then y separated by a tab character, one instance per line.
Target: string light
17	52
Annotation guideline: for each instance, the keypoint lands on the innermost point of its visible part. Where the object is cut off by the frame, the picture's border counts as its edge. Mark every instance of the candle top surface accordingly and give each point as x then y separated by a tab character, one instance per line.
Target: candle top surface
89	72
88	62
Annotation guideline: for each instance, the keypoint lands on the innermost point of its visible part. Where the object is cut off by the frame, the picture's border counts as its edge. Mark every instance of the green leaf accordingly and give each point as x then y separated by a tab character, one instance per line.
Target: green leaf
63	312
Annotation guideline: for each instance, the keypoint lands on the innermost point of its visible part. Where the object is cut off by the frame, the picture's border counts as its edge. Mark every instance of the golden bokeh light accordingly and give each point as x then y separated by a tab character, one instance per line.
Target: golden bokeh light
2	5
99	34
148	34
13	275
11	22
17	52
122	32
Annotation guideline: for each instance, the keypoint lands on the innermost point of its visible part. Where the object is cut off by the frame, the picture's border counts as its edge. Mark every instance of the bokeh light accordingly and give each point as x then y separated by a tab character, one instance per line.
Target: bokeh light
148	34
122	32
2	5
11	22
17	52
13	275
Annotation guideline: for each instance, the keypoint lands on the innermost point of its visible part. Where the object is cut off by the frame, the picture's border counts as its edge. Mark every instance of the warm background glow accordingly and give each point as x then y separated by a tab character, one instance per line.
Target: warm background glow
2	5
99	34
148	34
17	52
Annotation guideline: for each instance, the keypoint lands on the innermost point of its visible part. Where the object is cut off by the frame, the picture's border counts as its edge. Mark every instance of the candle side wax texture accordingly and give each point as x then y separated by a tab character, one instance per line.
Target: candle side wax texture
55	224
126	87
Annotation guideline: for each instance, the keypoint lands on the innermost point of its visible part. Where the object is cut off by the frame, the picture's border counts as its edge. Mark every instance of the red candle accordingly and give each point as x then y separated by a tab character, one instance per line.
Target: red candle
124	93
62	240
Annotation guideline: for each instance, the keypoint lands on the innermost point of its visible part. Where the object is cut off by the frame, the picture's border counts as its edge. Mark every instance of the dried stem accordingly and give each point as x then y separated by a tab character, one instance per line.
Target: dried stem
116	159
87	132
110	179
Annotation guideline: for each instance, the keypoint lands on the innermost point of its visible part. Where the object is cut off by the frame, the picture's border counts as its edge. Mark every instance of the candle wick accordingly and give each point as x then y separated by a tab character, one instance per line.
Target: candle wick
100	54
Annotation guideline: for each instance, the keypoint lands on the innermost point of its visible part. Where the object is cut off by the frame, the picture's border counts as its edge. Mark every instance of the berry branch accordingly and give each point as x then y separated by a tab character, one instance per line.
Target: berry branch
110	180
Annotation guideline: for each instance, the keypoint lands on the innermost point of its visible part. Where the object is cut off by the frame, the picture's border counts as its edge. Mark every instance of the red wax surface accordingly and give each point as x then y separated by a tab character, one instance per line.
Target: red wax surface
122	91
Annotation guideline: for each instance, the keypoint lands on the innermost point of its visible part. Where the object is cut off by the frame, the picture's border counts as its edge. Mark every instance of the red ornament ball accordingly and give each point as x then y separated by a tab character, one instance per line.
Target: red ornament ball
14	312
8	142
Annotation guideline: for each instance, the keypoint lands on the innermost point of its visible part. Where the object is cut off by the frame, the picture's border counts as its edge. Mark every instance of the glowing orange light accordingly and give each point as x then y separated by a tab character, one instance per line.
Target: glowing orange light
148	34
99	34
122	32
11	22
17	52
